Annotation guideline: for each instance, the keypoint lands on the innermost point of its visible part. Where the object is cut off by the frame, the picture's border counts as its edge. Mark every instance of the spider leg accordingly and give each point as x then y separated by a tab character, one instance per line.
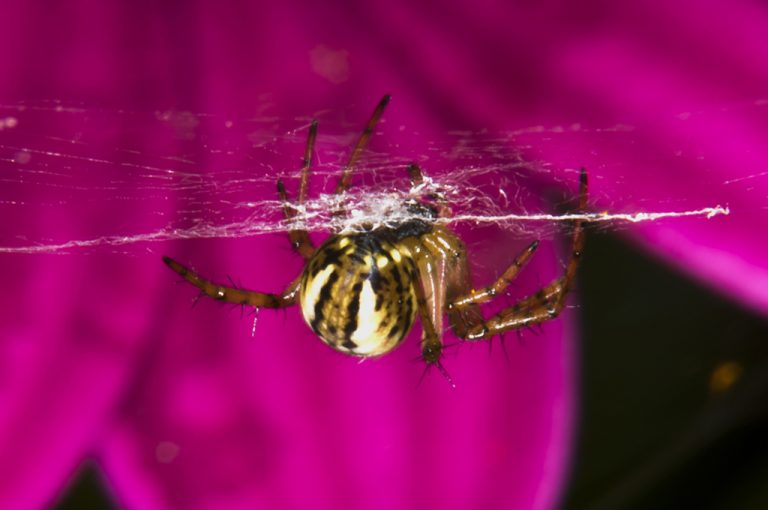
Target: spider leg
417	179
532	310
546	304
299	238
464	312
414	172
310	149
431	343
488	293
365	136
233	294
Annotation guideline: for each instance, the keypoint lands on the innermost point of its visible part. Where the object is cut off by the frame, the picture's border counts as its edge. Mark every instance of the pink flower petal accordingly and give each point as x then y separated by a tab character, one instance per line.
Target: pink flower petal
100	353
180	406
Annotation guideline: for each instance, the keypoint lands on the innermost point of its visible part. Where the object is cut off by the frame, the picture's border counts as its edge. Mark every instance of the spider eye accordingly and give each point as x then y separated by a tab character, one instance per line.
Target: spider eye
357	295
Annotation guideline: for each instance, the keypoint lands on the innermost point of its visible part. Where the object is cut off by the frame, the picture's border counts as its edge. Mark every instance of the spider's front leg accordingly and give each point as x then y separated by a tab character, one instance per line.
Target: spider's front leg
299	238
546	304
233	294
431	343
431	339
439	268
362	142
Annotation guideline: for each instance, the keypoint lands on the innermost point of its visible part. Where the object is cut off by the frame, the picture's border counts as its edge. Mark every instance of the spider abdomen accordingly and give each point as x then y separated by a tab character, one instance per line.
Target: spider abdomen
357	294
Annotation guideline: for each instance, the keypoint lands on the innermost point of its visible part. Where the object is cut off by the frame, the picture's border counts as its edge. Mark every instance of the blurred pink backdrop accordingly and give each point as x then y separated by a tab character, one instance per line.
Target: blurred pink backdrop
101	356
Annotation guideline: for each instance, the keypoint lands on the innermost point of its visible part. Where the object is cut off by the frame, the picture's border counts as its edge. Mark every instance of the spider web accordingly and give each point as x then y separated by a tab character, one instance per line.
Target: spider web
80	178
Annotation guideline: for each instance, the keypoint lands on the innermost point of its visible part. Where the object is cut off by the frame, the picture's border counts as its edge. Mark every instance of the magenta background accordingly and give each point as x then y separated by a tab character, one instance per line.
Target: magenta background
101	356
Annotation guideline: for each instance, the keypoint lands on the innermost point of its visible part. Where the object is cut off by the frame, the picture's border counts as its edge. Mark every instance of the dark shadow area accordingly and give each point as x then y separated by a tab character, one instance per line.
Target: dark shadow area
86	492
674	383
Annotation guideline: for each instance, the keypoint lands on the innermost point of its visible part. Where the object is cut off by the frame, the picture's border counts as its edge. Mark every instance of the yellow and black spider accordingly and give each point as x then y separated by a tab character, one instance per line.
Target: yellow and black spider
360	292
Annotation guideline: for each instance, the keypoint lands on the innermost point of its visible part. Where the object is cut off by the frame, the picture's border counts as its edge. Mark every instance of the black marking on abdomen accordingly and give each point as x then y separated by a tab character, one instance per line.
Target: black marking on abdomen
408	310
322	299
398	279
356	257
394	332
332	258
352	309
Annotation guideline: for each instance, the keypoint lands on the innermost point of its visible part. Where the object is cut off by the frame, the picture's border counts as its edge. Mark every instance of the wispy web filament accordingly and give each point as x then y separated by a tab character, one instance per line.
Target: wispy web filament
248	228
708	212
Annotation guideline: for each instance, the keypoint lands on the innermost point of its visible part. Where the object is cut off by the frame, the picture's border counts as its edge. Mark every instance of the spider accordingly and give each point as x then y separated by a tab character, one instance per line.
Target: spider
360	292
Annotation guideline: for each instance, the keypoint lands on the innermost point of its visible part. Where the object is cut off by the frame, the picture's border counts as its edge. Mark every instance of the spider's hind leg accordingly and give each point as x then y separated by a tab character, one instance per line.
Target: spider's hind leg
545	304
233	294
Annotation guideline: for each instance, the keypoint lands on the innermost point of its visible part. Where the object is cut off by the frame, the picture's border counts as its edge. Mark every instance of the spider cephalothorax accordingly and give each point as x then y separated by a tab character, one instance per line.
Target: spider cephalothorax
360	292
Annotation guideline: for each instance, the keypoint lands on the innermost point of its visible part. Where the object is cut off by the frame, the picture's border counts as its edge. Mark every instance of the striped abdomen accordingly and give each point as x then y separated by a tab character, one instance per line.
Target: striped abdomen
357	294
